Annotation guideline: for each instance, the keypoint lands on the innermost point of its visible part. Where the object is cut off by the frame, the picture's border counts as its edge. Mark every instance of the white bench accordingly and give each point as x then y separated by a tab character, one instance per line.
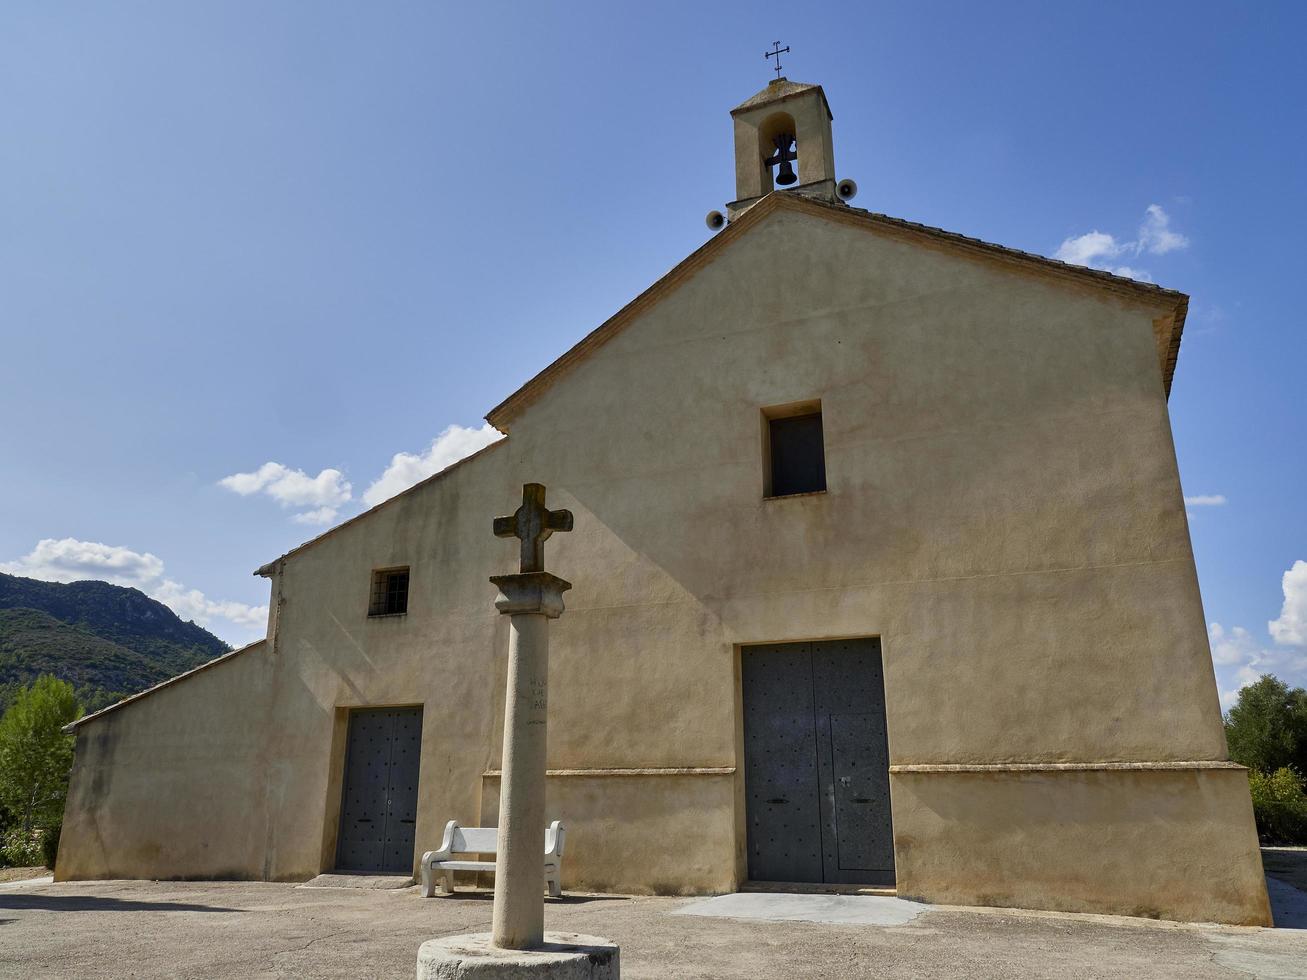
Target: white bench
438	867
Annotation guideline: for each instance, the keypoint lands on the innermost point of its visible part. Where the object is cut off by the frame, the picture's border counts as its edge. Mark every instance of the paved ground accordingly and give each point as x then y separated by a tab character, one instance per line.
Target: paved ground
1289	864
18	874
256	929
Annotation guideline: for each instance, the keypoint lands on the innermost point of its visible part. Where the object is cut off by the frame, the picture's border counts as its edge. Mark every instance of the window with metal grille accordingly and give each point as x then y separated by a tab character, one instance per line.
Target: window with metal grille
796	456
389	592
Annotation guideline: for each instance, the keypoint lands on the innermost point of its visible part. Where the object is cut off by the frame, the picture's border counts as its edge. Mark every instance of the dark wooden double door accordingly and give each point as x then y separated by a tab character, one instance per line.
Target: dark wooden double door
817	763
378	813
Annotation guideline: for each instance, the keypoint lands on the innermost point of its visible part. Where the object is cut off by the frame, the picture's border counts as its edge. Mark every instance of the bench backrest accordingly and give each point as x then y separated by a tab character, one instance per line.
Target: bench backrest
485	840
475	840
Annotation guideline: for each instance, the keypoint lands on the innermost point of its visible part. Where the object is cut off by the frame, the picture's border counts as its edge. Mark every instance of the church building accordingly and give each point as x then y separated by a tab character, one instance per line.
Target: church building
881	575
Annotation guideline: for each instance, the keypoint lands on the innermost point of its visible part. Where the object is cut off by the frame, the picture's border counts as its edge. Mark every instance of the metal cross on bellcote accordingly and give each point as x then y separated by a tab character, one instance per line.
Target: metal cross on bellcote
533	522
777	55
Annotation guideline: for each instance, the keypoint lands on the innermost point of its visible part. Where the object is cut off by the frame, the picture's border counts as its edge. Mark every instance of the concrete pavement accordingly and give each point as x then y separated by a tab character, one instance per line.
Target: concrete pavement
259	929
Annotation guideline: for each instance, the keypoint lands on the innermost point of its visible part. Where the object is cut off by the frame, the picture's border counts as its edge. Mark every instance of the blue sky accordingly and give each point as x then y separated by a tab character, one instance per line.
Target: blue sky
235	234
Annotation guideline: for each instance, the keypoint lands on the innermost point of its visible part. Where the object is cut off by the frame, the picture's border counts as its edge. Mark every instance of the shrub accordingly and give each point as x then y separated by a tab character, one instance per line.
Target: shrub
20	848
1279	805
50	845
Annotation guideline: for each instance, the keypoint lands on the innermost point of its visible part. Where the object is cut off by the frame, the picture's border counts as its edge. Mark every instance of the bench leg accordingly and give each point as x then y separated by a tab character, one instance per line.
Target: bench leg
427	885
555	886
436	881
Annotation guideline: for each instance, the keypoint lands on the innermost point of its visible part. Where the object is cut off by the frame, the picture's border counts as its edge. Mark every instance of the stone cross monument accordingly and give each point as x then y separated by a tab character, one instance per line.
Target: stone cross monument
519	947
530	598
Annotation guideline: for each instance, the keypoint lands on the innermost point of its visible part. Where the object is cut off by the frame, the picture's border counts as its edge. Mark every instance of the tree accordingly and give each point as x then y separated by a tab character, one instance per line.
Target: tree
1279	805
35	755
1266	730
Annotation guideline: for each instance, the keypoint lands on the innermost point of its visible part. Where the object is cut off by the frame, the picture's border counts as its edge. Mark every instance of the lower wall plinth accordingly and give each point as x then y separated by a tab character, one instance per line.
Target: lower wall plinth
664	832
1160	842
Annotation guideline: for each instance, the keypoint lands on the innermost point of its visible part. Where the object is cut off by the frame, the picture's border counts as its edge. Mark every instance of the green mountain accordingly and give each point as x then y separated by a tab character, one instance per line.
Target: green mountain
106	640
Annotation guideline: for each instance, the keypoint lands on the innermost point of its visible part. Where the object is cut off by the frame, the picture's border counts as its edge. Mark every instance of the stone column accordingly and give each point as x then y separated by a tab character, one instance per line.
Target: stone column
530	599
519	947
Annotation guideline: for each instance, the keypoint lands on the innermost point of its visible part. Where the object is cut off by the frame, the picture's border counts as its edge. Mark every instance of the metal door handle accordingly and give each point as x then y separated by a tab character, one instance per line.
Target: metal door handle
407	821
862	799
364	820
779	799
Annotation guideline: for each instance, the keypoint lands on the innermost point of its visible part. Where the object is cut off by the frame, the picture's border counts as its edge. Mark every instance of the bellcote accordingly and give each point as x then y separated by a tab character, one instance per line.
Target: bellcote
786	123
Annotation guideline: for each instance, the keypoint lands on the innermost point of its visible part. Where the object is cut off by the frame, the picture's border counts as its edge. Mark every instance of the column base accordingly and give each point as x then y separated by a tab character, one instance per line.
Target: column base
564	956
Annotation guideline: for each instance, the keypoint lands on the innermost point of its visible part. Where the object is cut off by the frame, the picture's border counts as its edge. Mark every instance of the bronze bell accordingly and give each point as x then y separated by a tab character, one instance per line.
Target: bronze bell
782	159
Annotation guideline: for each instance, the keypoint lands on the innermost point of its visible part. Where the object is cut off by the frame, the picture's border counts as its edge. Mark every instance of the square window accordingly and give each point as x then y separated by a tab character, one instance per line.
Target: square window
389	592
796	456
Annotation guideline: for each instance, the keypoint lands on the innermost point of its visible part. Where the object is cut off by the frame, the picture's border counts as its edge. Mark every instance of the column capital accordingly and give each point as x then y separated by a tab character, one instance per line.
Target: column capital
530	592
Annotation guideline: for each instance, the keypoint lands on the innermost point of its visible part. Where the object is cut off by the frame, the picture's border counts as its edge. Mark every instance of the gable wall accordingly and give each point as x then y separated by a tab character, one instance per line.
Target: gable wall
1003	506
1003	510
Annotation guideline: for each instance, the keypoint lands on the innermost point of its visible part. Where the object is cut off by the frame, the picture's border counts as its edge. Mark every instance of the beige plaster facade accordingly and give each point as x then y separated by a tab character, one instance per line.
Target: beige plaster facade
1003	511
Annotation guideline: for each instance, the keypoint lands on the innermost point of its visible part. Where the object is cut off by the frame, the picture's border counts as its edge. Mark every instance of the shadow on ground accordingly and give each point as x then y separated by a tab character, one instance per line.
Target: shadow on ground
1289	864
92	903
1288	905
487	897
1286	885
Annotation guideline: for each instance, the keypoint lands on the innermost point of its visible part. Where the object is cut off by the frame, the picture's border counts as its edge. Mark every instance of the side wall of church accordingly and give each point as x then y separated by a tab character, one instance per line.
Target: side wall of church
180	782
1003	511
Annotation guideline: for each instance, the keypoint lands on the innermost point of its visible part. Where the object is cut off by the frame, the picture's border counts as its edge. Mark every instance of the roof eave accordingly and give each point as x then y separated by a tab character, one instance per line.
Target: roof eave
1173	348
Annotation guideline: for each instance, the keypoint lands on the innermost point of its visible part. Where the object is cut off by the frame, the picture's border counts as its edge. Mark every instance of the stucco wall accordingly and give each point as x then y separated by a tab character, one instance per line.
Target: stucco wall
178	783
1157	843
1003	510
662	833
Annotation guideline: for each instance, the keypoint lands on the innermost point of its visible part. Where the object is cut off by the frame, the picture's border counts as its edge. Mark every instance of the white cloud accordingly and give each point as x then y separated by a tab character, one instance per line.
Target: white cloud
1240	658
1099	250
1155	234
1232	646
194	604
1206	500
322	515
454	443
295	488
71	560
323	495
1088	249
1291	627
1239	661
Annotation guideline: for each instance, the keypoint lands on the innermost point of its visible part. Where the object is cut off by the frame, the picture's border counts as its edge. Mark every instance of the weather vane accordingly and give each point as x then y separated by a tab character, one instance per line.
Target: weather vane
777	55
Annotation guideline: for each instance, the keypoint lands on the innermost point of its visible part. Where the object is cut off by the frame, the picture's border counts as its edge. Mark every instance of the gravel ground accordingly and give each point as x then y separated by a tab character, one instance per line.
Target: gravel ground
20	874
259	929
